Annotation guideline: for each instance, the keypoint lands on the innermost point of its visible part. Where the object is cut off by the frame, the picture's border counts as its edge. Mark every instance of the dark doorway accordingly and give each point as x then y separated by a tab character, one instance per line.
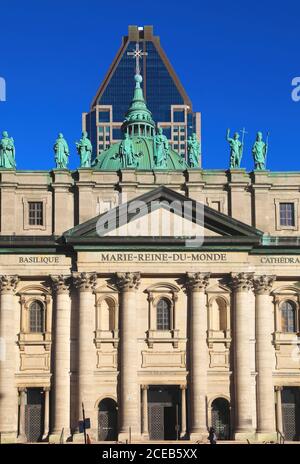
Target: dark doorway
107	420
164	412
34	415
291	413
220	418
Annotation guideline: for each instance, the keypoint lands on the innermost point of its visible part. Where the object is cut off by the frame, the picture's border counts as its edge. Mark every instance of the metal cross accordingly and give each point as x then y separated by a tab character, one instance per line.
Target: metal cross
243	131
137	54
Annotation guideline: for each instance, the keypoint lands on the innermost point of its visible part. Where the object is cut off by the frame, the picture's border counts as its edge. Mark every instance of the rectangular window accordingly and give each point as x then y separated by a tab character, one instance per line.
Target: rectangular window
178	116
287	214
104	116
35	211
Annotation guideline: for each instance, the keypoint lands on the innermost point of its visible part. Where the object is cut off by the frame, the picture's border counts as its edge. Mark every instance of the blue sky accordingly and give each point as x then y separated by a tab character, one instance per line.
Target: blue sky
236	60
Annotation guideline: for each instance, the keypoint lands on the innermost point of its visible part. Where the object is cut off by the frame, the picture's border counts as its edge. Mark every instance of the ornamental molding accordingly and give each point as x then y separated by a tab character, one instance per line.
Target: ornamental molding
8	283
85	281
127	281
197	281
263	284
60	283
242	282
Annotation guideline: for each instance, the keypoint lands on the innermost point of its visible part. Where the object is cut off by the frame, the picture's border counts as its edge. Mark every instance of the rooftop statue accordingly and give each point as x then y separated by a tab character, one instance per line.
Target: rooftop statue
61	151
126	152
7	152
236	149
84	149
259	152
161	149
193	147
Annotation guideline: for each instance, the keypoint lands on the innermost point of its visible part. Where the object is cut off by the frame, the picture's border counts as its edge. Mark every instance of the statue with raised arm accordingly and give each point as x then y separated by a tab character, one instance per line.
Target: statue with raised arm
7	152
236	149
161	149
61	151
84	149
126	152
259	152
193	147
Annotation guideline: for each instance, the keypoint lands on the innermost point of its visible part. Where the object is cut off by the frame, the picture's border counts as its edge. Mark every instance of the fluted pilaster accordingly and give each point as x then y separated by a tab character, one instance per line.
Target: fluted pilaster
196	284
266	429
129	392
8	390
61	379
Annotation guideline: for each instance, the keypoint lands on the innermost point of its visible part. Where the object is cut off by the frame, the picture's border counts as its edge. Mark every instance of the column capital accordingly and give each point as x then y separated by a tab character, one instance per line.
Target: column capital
278	388
8	283
46	389
128	281
263	284
60	283
183	387
22	389
242	282
85	281
145	387
197	281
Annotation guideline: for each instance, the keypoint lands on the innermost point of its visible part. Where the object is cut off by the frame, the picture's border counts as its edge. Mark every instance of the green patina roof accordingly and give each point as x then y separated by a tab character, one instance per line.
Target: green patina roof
138	114
108	160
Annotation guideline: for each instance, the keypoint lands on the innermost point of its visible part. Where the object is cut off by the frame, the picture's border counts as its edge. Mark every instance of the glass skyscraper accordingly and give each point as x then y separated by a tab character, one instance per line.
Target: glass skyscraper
165	96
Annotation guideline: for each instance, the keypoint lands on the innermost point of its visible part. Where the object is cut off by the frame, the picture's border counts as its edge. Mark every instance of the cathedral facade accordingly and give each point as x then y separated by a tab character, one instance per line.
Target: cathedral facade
162	298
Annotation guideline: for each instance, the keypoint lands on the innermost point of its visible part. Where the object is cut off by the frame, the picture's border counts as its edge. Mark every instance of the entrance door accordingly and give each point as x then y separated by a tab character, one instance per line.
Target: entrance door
291	413
156	422
163	412
220	418
34	415
107	420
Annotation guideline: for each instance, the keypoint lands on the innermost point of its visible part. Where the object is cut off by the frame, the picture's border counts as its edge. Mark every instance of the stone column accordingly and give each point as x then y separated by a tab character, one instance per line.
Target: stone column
198	363
183	411
242	286
46	412
61	379
145	430
129	397
22	403
279	422
86	282
264	319
8	390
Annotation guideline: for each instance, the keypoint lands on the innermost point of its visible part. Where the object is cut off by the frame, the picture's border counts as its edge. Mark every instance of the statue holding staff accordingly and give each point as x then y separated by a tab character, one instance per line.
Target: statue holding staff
236	149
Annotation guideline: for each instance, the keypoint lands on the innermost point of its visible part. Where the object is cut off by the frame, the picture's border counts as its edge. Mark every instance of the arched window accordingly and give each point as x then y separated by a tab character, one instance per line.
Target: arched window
288	317
36	317
163	313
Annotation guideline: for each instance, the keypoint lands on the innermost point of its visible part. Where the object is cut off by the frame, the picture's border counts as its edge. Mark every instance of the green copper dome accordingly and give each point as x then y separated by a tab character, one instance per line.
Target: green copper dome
109	160
142	147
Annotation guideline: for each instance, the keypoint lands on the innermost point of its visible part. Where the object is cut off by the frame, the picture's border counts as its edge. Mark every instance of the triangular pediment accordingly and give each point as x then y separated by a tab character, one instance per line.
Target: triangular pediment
162	215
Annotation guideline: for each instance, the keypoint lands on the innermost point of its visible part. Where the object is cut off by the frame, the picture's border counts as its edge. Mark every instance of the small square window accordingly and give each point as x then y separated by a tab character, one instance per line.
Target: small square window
287	214
35	213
